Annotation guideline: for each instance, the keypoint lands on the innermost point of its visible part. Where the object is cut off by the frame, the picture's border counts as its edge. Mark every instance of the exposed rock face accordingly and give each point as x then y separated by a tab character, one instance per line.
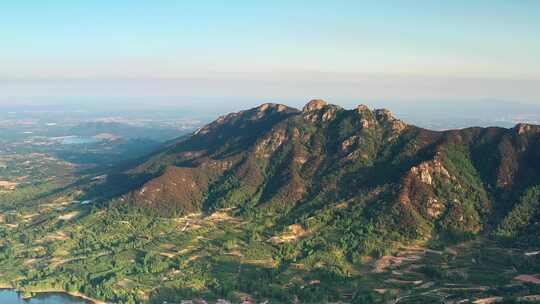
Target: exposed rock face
367	117
314	105
523	128
434	208
271	143
426	170
384	114
349	143
317	110
329	114
419	187
268	108
265	107
386	118
362	108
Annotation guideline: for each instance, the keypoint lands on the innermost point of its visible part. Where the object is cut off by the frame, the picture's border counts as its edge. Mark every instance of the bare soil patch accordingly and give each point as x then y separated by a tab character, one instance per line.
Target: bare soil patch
293	233
528	278
68	216
8	185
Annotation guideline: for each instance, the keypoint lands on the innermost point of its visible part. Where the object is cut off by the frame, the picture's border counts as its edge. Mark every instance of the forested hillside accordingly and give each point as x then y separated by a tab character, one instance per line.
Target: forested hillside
304	166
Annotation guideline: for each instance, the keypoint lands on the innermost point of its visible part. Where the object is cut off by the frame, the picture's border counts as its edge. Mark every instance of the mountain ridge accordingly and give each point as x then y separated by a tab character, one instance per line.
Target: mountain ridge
297	163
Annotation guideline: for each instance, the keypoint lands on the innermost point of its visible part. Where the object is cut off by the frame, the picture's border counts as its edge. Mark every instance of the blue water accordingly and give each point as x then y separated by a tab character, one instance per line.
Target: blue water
12	297
78	140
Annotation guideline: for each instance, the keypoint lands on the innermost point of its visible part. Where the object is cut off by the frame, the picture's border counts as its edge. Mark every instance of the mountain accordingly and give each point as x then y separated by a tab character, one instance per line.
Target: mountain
276	204
304	167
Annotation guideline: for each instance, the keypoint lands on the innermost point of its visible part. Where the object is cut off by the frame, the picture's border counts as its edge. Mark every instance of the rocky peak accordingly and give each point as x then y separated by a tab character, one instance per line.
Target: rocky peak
362	108
265	106
366	117
317	110
524	128
266	111
389	121
269	108
384	114
314	105
275	106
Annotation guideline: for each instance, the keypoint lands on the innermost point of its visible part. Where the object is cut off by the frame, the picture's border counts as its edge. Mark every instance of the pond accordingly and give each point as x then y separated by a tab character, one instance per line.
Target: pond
78	140
8	296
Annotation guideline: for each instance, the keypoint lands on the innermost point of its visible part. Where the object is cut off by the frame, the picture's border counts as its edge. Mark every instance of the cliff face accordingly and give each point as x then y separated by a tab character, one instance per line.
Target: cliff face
300	165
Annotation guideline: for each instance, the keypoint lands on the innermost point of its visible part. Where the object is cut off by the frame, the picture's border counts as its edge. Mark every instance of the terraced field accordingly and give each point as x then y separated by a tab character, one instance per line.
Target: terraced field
133	257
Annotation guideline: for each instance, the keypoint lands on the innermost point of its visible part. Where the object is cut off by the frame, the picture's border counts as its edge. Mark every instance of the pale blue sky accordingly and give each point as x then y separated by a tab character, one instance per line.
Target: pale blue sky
271	50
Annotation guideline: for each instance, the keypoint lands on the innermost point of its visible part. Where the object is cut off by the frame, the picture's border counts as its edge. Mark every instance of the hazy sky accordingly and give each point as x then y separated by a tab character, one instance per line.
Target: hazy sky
406	50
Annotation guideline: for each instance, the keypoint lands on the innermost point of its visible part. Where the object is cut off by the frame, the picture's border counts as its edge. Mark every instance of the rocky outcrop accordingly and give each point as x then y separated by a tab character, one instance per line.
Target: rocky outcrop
314	105
317	110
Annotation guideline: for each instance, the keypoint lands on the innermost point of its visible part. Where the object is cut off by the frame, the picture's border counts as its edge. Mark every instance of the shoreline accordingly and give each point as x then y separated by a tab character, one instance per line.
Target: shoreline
75	294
